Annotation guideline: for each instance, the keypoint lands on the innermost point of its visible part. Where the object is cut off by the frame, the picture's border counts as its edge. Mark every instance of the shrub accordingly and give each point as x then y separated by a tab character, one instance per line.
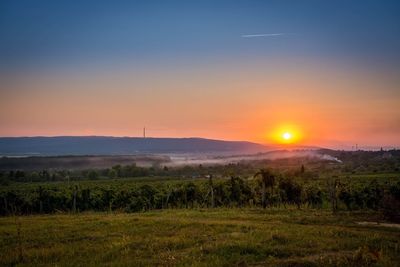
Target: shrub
290	191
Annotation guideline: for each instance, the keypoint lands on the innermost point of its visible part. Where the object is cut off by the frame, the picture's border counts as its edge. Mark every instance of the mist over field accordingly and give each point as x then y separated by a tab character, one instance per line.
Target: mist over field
181	160
149	160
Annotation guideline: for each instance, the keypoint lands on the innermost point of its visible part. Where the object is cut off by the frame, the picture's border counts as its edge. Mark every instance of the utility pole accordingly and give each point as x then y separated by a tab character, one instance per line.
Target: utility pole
144	132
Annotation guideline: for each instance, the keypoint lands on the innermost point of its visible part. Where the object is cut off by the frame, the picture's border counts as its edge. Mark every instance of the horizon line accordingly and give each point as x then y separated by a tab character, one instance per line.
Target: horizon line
366	147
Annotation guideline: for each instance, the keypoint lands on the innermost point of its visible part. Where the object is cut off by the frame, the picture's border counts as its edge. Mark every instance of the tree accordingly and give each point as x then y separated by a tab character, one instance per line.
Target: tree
313	196
117	169
112	173
290	191
267	180
93	175
346	196
190	190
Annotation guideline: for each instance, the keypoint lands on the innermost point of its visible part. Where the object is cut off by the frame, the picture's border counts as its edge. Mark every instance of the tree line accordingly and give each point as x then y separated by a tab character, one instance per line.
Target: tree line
122	171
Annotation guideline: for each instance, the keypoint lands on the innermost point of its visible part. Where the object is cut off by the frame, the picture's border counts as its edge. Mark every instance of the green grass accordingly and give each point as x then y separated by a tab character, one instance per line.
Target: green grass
220	237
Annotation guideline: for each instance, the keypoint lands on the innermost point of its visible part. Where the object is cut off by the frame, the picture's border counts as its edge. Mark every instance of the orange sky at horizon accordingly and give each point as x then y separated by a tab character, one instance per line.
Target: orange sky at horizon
324	106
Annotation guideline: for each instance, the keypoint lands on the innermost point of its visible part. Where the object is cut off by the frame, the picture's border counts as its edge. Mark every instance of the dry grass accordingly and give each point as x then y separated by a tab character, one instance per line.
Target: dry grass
220	237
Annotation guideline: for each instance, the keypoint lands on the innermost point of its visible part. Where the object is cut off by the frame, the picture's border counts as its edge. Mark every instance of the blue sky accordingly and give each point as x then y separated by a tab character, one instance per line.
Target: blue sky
62	33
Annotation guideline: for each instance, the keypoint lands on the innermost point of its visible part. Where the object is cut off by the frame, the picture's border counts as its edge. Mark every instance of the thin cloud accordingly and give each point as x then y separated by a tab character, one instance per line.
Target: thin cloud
262	35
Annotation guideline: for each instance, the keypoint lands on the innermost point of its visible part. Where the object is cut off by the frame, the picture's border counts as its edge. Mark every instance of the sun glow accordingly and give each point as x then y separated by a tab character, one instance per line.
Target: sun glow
286	134
288	137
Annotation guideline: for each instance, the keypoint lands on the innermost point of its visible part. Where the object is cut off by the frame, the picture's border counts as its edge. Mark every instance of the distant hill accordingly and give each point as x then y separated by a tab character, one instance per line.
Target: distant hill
101	145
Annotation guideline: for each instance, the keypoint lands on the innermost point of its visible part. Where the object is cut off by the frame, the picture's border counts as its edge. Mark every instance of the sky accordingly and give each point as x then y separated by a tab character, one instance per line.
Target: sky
326	71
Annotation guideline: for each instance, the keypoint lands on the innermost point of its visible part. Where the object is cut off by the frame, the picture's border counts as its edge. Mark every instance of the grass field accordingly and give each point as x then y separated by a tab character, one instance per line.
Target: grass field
220	237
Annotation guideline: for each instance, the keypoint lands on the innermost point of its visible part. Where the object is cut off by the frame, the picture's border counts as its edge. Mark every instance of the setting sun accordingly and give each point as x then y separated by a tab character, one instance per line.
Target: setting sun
287	136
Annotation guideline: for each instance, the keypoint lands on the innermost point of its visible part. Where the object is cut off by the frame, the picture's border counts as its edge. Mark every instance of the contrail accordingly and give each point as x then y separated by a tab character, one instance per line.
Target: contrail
262	35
